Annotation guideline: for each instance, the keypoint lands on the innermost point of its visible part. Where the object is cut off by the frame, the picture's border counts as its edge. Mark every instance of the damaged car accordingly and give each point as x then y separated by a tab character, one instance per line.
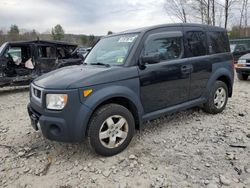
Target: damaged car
21	62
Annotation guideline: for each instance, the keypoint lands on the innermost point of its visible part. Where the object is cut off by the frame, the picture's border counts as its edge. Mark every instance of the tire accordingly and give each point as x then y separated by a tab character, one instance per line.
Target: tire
108	123
214	103
242	76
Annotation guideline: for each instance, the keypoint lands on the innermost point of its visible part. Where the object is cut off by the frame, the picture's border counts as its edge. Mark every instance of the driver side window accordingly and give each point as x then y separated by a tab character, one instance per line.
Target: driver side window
14	52
167	48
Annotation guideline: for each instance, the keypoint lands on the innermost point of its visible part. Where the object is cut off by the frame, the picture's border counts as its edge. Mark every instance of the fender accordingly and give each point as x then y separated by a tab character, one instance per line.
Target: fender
214	76
109	92
101	95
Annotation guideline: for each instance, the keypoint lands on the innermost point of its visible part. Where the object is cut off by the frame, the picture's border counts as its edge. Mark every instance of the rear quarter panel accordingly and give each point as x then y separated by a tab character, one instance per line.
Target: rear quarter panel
222	65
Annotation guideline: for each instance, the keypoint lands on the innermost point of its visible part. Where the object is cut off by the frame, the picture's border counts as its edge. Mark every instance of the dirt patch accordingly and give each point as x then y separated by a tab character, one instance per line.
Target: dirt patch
185	149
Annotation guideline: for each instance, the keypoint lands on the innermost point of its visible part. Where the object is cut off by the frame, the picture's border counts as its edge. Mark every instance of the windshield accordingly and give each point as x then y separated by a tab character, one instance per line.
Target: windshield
232	47
111	50
2	48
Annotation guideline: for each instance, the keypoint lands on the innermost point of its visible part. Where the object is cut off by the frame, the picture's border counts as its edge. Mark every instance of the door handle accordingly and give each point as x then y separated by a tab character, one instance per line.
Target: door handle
187	69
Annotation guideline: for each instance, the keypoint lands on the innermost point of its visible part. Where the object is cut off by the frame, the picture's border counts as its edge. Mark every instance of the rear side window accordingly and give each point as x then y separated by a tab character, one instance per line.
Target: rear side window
168	48
46	52
196	43
218	42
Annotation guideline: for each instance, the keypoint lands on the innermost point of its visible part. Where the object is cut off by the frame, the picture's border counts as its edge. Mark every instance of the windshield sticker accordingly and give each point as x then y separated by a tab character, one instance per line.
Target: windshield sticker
120	60
127	38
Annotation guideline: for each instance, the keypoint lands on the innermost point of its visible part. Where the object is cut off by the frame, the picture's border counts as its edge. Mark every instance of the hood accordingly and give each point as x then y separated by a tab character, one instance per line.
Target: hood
83	75
246	56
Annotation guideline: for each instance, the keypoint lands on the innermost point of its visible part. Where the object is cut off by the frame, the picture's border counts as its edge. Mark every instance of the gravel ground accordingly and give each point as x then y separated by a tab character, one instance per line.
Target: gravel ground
185	149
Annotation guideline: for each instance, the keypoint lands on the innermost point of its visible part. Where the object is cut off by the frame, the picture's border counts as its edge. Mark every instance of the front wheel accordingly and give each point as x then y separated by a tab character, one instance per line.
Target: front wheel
217	99
111	129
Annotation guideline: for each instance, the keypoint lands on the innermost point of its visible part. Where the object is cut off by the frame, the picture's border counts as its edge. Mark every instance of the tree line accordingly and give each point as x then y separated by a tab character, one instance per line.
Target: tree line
57	33
233	14
223	13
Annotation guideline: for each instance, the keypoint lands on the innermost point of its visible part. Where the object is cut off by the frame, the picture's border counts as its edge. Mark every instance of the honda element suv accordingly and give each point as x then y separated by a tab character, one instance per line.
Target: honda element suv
129	78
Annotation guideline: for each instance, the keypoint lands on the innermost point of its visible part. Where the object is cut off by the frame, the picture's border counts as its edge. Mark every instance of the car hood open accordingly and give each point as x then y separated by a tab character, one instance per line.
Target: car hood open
83	75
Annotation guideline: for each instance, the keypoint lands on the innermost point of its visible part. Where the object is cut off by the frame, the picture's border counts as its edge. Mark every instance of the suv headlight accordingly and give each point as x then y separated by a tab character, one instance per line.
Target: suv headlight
56	101
242	61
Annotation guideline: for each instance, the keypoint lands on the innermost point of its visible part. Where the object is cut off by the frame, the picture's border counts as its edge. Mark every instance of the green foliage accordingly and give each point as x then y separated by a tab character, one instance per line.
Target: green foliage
84	39
57	32
91	40
13	33
239	32
33	35
109	33
14	30
234	33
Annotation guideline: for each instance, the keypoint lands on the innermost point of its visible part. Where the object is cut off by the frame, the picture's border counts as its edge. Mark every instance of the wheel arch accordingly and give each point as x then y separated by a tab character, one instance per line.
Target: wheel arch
118	95
228	82
127	103
223	75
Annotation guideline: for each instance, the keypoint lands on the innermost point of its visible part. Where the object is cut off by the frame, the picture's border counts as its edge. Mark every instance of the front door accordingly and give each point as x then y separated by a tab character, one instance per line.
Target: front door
46	58
166	83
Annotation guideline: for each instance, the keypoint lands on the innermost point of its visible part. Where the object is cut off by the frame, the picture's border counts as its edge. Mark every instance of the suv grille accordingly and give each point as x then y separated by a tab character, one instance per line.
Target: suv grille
37	92
248	63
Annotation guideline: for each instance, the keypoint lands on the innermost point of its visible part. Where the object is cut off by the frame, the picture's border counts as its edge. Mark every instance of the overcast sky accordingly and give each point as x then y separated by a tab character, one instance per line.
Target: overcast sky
82	16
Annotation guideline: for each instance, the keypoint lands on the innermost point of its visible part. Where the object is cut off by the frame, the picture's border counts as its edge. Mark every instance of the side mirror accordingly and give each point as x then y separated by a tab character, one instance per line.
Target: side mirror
151	58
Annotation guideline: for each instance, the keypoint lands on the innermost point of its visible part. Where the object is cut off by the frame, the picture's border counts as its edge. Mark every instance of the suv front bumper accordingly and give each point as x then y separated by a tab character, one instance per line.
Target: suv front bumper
67	125
243	70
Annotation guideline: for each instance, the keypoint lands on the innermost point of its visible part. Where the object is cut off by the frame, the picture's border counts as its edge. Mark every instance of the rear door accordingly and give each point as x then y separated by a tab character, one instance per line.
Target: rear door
46	58
196	53
3	65
3	60
166	83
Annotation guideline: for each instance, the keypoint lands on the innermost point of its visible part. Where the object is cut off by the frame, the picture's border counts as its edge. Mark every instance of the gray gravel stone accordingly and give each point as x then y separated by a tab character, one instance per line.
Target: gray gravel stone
132	157
106	173
224	180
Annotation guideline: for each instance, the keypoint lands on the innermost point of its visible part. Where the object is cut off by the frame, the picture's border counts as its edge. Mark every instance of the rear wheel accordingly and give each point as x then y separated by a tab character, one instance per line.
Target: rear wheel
242	76
217	99
111	129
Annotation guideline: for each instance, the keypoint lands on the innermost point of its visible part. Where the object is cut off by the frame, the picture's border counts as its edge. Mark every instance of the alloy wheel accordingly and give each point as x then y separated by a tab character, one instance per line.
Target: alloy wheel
220	97
114	131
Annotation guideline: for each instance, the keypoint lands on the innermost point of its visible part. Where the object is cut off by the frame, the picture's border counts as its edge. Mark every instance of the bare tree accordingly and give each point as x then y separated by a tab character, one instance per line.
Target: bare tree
213	11
242	12
203	8
246	16
202	12
208	12
177	8
226	12
228	4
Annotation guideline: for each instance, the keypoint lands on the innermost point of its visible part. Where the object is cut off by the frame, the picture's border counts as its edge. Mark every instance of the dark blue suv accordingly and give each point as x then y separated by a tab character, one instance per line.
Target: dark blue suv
131	77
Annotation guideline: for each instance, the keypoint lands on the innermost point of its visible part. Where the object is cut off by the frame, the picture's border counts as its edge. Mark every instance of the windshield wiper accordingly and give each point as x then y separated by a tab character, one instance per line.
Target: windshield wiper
99	63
